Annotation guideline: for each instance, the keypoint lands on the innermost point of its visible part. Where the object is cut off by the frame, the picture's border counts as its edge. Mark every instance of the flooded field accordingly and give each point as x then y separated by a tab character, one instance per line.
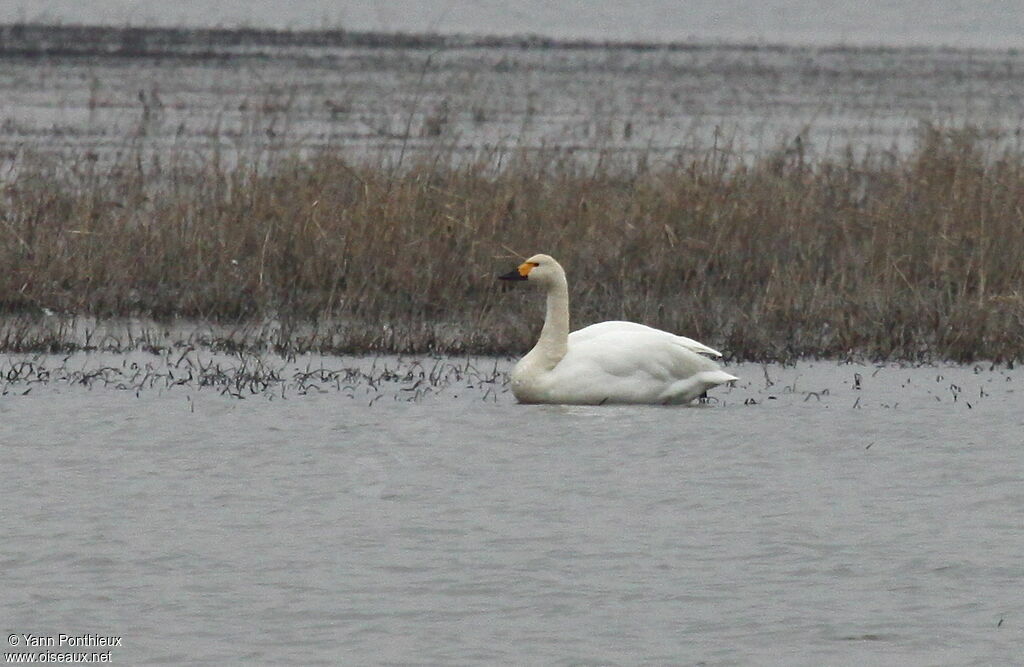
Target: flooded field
209	507
94	93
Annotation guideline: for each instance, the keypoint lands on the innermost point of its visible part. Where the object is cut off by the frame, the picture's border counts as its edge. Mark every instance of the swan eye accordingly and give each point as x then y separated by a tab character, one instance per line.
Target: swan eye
526	267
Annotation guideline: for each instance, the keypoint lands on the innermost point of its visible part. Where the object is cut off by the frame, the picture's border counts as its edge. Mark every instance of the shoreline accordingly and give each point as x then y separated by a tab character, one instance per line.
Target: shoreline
35	338
42	40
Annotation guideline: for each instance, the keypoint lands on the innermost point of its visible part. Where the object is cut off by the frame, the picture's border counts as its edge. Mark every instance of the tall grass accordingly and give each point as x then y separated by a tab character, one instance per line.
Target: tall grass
911	257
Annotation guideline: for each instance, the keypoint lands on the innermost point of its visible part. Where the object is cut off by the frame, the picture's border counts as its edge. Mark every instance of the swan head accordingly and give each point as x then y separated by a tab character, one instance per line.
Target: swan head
540	270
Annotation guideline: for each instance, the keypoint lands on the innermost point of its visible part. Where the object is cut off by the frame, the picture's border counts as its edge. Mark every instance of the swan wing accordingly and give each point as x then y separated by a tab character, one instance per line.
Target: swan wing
614	327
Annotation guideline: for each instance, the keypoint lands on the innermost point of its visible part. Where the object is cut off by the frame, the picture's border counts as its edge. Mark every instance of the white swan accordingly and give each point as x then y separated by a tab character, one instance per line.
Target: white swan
609	362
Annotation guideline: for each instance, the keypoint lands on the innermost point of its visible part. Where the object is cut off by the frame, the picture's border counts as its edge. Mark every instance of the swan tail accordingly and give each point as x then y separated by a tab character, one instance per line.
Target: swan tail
716	377
684	391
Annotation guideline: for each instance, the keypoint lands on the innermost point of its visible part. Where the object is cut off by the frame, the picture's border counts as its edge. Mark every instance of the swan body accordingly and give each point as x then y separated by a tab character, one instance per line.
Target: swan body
608	362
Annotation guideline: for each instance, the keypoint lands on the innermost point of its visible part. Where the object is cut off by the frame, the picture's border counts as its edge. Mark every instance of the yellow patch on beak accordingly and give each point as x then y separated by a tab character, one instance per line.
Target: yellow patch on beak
526	267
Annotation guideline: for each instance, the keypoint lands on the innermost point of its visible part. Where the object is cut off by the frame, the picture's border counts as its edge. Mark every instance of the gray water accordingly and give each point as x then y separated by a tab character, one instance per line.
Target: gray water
818	514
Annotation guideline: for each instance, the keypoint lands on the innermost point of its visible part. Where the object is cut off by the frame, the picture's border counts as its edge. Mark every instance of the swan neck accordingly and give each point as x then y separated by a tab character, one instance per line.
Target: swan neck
554	337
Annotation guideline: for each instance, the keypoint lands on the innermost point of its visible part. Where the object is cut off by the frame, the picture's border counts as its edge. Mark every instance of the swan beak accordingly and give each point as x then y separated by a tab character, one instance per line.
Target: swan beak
520	273
512	275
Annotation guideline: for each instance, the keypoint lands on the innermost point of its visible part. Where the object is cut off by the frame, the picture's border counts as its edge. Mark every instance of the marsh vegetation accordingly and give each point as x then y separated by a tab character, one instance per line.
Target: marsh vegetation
887	257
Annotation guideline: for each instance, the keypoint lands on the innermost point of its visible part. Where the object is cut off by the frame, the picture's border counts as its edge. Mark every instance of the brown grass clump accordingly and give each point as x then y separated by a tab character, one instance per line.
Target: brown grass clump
913	258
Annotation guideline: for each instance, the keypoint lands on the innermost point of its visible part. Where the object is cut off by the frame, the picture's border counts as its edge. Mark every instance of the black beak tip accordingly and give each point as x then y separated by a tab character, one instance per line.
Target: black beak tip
512	275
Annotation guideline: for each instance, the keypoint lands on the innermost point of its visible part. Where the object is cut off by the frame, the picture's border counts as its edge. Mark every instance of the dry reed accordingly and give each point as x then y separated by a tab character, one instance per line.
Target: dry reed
911	257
